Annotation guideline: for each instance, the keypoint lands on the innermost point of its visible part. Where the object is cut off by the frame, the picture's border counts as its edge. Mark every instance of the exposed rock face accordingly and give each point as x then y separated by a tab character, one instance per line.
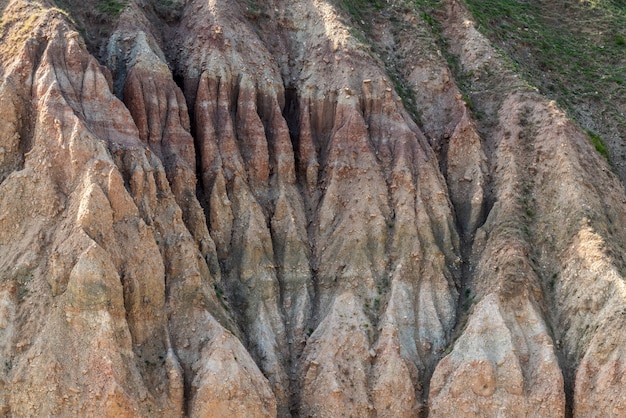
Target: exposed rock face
233	213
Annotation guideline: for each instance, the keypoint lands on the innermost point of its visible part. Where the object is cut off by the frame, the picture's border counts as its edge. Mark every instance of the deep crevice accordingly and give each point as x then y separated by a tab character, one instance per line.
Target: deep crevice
291	114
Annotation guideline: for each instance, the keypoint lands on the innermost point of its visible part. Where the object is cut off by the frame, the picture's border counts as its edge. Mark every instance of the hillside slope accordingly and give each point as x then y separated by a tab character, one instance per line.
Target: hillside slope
290	208
573	52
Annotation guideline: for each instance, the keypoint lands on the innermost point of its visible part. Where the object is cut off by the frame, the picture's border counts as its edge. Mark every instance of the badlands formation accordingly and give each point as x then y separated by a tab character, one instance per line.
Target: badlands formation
232	208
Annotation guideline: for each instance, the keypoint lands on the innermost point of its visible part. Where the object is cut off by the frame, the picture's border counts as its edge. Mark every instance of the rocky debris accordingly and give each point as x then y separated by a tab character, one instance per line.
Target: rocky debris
236	215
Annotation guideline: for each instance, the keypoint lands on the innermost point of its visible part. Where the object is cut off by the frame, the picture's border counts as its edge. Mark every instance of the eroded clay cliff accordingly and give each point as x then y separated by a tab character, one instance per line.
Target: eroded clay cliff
238	208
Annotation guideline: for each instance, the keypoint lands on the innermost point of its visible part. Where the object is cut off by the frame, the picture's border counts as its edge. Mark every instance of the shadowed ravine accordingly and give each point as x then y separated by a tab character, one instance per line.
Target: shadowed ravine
241	209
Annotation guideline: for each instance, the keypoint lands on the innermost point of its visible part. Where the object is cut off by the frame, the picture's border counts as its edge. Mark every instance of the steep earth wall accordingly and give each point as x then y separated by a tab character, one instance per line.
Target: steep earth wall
231	208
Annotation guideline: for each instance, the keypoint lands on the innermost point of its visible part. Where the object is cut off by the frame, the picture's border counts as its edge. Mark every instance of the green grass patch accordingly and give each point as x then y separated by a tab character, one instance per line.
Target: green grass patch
111	7
574	51
360	9
406	93
599	144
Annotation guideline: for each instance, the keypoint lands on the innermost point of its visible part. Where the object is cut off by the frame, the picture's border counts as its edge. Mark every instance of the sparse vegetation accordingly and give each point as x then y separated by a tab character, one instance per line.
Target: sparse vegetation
111	7
360	9
253	11
362	13
585	50
169	10
18	24
599	144
405	92
426	9
218	290
220	296
553	280
23	277
469	300
573	51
